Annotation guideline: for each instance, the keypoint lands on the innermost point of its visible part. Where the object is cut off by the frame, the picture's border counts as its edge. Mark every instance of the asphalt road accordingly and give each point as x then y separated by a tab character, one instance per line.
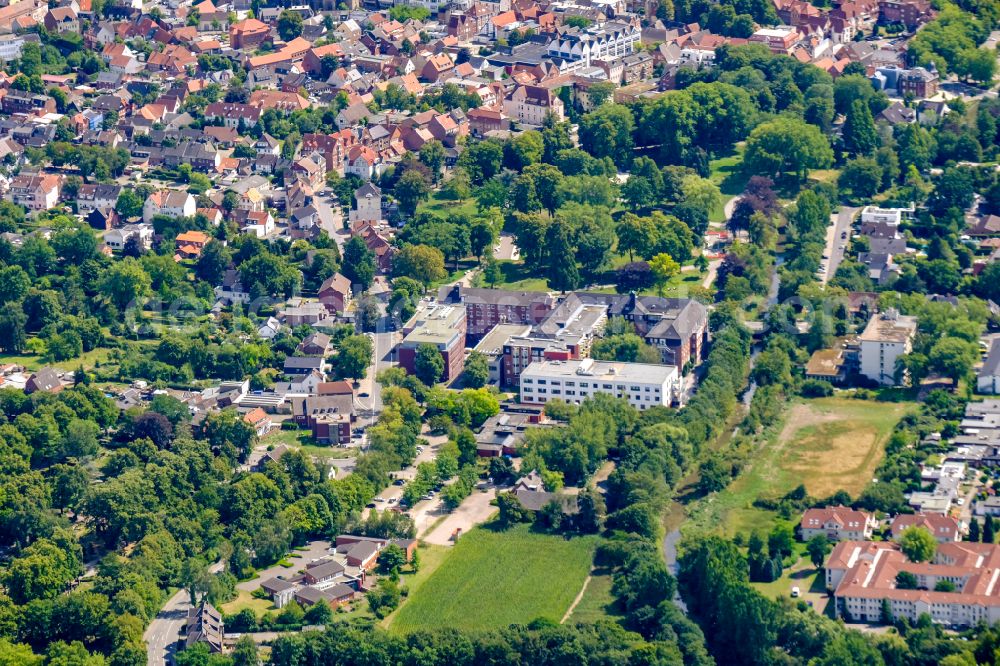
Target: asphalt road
506	248
840	222
162	634
332	219
370	405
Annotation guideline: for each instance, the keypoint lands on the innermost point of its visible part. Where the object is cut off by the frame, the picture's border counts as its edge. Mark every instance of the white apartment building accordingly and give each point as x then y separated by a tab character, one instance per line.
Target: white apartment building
117	238
643	385
698	55
607	42
875	215
10	47
368	204
837	523
170	203
887	336
988	378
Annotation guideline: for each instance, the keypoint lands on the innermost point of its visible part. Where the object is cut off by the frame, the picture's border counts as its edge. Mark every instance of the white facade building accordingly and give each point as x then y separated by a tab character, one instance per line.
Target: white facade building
170	203
874	214
862	576
116	238
10	47
607	42
643	385
887	336
988	379
531	104
369	204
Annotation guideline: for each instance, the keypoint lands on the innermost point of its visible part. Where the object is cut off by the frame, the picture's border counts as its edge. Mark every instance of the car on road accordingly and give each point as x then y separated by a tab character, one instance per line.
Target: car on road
370	505
843	234
399	482
427	496
379	499
362	395
392	500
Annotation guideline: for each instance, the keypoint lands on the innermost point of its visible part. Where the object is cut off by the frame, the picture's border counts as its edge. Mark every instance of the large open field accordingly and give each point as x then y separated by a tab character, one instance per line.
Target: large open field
492	579
827	444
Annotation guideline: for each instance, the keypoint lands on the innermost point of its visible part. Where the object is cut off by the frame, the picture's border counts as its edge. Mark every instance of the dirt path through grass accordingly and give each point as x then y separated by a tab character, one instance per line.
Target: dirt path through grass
579	597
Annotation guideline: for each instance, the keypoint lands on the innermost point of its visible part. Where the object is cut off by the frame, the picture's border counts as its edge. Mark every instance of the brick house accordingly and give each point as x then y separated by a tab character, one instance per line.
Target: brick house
61	20
248	34
441	326
486	308
335	293
190	243
19	101
677	327
944	528
910	13
45	380
837	523
329	417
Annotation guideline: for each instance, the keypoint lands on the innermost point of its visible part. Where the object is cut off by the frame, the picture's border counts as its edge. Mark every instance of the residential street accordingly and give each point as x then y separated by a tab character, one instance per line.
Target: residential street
394	492
840	222
331	218
162	634
368	396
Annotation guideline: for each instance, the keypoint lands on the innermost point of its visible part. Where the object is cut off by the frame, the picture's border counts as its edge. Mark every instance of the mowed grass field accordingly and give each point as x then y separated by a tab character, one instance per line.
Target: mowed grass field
491	579
826	444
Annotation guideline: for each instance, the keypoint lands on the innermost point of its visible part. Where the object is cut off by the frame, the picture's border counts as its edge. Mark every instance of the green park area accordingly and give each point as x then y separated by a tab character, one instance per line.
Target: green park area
493	578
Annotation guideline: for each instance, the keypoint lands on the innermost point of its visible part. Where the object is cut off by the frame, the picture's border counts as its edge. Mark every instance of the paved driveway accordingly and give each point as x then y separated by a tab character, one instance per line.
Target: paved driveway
314	550
475	510
506	248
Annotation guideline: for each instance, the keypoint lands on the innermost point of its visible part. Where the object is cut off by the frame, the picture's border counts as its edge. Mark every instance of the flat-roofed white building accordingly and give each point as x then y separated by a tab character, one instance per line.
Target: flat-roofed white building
642	384
887	336
875	214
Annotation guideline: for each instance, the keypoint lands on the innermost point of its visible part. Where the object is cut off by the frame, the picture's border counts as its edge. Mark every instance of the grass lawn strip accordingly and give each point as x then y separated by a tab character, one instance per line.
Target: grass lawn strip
492	579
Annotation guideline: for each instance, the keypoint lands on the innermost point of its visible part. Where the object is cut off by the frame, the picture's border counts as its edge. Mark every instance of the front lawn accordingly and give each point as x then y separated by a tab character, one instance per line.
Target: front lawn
301	439
517	277
246	600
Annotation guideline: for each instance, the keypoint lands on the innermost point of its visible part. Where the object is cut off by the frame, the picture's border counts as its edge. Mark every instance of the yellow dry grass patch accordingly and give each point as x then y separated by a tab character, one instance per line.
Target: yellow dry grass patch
829	452
826	444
